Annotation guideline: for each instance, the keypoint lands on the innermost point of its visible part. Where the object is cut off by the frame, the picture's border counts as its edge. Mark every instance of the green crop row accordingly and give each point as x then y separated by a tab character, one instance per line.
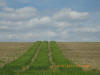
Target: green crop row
42	61
58	58
60	61
22	61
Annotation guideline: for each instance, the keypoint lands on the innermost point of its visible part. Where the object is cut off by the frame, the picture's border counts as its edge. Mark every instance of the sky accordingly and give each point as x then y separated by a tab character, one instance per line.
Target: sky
59	20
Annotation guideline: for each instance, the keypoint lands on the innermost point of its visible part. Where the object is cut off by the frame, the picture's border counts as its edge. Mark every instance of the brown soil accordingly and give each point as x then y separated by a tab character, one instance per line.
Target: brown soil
82	53
11	51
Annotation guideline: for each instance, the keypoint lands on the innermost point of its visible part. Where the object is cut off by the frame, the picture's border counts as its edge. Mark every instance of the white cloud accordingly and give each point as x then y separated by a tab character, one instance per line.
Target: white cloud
18	14
41	20
51	34
30	35
62	24
26	24
86	39
87	29
70	14
12	24
45	19
6	9
28	16
21	18
3	3
10	36
3	27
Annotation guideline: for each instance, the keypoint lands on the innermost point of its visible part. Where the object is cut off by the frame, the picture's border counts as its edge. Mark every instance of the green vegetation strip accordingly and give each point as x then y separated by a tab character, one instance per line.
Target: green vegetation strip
18	64
60	61
42	61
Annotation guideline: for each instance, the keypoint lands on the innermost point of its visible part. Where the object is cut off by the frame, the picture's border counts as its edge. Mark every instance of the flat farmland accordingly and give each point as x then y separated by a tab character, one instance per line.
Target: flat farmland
10	51
49	58
82	53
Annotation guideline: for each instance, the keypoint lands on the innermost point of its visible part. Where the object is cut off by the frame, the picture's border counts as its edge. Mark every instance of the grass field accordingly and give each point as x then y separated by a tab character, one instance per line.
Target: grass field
51	58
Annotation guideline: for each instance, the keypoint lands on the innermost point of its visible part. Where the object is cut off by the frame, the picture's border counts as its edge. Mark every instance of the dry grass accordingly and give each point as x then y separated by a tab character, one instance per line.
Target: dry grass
11	51
82	53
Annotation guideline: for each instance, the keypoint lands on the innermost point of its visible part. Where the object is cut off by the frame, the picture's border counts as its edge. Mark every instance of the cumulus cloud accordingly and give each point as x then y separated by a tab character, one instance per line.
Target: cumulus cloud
27	24
6	9
42	20
28	36
3	3
18	14
62	24
67	13
87	29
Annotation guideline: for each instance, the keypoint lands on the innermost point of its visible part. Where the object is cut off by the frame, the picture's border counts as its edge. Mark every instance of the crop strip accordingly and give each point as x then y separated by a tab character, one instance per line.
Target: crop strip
50	57
42	61
60	61
33	59
24	60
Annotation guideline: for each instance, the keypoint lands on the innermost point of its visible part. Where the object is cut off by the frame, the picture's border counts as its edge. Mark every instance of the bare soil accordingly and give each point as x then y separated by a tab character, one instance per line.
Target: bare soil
82	53
11	51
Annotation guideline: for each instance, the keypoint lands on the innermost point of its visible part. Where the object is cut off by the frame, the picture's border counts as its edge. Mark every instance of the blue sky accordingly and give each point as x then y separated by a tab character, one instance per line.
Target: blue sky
79	5
59	20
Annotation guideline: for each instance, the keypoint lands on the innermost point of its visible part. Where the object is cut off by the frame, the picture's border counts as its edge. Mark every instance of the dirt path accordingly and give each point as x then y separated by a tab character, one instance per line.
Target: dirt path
33	59
50	57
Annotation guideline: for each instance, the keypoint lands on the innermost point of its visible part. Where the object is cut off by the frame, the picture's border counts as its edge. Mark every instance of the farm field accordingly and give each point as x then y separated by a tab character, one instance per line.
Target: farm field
82	53
10	51
45	58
